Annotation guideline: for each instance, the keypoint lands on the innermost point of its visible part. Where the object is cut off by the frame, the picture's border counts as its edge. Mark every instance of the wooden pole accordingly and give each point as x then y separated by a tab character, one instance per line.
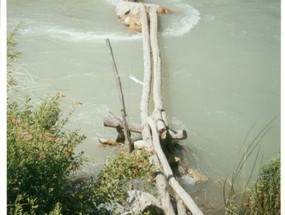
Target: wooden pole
123	110
186	198
159	112
144	104
117	122
160	179
156	127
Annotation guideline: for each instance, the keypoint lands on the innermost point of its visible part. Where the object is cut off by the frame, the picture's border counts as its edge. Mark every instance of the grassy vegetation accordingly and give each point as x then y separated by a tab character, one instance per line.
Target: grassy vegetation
262	197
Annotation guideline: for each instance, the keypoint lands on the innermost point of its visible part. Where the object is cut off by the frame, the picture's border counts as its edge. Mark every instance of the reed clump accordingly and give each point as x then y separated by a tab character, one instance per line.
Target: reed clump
263	196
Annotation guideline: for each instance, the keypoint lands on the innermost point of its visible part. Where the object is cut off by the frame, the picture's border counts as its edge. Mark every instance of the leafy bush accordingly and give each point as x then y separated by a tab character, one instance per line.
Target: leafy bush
118	174
265	197
41	158
12	55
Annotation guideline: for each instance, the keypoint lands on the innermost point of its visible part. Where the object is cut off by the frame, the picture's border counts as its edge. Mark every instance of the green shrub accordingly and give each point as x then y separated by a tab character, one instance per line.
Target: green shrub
261	198
41	158
117	176
12	55
265	197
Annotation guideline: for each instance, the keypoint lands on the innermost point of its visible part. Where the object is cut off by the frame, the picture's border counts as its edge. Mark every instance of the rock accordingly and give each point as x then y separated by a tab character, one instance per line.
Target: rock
198	177
139	144
129	13
140	202
192	176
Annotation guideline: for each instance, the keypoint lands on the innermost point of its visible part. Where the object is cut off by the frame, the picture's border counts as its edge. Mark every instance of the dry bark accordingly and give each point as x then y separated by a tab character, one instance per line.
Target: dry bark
161	182
156	127
116	122
186	198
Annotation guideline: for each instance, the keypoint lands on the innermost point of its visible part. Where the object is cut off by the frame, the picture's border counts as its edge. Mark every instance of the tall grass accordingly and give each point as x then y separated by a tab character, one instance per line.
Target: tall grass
237	193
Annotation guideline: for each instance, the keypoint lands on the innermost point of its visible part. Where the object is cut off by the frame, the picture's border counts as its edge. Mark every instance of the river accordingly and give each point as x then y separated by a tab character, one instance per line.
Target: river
221	74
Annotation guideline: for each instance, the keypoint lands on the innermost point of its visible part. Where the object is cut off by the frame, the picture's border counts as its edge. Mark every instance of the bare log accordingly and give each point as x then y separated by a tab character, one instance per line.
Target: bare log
116	122
152	129
158	104
162	187
157	84
181	209
186	198
144	104
161	182
178	134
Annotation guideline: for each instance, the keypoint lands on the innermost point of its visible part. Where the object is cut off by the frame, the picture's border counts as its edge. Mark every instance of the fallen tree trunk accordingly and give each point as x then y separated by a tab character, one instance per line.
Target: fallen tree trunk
159	112
153	128
188	201
116	122
144	104
161	183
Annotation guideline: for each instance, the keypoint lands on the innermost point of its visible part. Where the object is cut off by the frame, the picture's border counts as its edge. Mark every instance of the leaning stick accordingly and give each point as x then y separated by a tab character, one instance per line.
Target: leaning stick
123	110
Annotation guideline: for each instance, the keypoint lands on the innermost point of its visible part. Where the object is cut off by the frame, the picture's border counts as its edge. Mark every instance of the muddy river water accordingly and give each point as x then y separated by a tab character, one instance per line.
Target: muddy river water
221	73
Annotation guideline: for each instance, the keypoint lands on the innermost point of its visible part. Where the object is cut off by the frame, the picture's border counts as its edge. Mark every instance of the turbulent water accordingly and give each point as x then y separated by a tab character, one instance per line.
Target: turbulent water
221	73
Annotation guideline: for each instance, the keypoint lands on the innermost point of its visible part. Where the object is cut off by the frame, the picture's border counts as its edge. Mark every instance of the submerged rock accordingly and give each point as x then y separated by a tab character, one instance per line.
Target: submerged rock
192	176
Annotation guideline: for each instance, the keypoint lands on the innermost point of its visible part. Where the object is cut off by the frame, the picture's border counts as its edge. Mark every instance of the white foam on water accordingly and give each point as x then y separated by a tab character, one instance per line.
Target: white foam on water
72	35
178	24
188	180
182	23
113	2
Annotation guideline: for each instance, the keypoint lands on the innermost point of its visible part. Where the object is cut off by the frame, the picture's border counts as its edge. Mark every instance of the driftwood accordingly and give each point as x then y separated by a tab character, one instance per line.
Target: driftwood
116	122
161	183
159	124
154	126
181	208
144	104
188	201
